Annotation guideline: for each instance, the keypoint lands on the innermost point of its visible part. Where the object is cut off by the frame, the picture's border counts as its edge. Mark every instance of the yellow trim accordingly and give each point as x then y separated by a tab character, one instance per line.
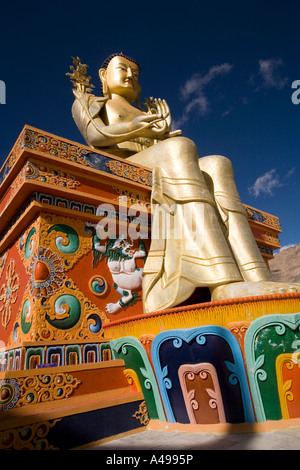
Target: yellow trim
219	315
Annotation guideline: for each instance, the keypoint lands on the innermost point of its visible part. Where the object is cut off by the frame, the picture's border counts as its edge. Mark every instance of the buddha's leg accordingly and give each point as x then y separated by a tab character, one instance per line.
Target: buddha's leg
210	263
247	255
218	173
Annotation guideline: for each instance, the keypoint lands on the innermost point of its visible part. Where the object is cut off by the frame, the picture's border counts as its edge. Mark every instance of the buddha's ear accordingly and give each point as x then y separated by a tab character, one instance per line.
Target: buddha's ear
103	79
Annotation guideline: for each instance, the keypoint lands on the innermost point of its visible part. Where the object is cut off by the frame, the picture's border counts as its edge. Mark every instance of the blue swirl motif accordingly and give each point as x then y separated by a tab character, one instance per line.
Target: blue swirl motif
166	380
98	285
95	323
234	377
201	339
177	343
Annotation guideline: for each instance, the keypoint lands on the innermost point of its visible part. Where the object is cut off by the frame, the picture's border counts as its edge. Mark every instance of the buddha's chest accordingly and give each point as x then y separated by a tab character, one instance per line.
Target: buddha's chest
118	112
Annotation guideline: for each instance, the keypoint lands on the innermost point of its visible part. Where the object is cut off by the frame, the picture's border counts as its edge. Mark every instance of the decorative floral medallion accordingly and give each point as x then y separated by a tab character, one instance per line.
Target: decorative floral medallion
9	293
9	394
47	273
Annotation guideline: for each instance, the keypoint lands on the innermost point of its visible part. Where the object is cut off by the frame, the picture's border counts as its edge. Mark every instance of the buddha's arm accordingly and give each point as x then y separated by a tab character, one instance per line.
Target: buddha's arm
86	112
100	135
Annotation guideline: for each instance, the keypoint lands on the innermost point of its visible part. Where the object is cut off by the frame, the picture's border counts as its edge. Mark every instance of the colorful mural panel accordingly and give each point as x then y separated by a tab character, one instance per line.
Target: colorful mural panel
212	351
135	357
267	339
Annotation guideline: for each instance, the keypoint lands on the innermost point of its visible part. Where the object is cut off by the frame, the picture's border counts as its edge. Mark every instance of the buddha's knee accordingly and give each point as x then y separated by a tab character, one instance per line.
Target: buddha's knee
216	165
183	146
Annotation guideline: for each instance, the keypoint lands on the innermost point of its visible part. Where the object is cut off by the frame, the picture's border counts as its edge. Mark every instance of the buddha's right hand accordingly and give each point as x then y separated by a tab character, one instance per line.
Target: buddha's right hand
162	127
150	125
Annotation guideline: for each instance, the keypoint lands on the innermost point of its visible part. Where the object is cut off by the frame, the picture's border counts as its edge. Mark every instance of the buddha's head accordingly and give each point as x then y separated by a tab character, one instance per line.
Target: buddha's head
119	75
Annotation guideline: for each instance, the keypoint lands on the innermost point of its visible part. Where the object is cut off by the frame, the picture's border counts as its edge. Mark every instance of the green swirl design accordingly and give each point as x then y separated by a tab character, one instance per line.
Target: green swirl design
69	308
29	243
68	242
26	325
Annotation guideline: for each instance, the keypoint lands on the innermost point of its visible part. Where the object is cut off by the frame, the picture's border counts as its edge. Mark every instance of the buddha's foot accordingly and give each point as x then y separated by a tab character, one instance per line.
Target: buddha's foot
237	290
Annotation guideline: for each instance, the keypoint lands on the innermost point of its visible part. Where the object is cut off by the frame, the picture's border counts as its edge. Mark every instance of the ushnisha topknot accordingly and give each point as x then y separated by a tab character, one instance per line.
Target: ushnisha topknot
118	54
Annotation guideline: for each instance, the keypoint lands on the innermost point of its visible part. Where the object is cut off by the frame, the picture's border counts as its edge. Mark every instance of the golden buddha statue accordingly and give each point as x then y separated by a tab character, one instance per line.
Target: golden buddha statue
224	257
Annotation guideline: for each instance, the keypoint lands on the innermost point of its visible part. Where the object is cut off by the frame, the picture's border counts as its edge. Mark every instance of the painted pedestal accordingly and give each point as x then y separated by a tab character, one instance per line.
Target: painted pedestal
77	350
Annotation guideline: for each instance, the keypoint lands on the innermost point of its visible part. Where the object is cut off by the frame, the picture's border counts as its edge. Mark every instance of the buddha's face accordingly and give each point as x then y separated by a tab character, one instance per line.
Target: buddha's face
121	78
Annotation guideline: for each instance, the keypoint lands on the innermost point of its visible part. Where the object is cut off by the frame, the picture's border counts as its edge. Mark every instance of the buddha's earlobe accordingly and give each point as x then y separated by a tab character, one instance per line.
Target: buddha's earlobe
102	76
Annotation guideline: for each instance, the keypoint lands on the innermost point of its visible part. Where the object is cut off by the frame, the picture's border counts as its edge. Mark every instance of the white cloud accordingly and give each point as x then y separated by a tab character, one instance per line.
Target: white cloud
268	182
269	75
290	173
227	112
197	82
265	184
193	92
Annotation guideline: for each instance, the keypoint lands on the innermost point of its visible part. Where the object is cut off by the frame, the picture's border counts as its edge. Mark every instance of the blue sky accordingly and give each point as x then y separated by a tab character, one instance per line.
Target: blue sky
225	68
